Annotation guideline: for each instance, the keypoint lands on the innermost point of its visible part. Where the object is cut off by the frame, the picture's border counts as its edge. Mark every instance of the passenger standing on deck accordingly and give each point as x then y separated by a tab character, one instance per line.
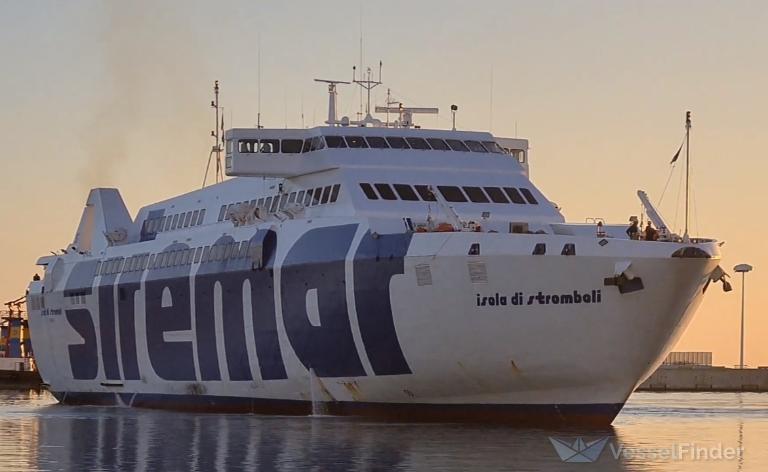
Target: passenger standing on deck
634	230
650	233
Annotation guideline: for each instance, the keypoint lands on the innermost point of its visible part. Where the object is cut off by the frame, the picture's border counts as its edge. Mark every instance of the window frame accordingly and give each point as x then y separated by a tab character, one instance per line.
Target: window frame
356	142
444	189
443	146
529	196
425	193
457	145
378	139
293	142
475	146
514	195
490	191
397	139
335	193
405	192
368	191
389	194
331	142
421	143
472	193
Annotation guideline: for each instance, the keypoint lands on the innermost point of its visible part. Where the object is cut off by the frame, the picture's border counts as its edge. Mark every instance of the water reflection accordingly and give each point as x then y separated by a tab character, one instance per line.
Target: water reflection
53	437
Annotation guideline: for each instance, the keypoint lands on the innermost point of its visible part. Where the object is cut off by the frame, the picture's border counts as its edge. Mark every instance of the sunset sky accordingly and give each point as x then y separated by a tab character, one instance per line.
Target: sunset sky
116	94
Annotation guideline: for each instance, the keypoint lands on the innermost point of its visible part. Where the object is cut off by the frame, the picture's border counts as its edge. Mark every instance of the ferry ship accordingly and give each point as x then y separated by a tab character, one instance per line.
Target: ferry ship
371	268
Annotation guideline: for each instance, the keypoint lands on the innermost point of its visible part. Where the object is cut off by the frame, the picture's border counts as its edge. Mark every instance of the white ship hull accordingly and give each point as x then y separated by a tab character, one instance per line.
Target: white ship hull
503	335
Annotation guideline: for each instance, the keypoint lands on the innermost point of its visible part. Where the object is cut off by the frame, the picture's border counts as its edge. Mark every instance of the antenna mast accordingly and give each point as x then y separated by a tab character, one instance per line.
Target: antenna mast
368	84
687	168
217	134
258	85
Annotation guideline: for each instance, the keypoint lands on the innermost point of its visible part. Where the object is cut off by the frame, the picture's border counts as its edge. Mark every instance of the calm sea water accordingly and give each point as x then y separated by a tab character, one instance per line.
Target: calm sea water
656	432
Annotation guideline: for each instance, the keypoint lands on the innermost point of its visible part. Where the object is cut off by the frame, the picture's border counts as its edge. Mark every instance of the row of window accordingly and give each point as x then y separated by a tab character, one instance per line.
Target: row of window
451	193
311	197
76	298
295	146
141	262
177	221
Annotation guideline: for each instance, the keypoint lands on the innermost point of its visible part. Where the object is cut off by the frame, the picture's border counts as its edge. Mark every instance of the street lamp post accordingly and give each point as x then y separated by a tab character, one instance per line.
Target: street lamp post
743	269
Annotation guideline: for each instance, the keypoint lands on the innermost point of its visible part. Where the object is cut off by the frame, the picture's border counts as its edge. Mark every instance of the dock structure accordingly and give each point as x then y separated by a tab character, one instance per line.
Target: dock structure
694	372
17	366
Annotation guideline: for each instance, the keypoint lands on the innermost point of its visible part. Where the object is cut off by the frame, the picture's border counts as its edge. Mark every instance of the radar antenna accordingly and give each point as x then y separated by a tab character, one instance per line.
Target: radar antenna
332	97
405	114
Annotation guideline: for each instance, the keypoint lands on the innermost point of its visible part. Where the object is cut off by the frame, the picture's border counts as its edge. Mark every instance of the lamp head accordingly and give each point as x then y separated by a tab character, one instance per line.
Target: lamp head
743	268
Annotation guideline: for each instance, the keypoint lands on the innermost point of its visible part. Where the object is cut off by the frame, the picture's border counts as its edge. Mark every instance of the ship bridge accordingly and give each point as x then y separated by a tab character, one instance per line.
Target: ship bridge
289	153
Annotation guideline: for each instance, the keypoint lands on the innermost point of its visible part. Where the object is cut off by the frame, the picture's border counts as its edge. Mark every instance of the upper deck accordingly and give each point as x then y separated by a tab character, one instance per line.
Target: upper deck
289	153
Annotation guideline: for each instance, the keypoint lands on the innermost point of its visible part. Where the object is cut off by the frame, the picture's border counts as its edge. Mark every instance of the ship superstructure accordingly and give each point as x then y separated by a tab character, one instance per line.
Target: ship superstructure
373	267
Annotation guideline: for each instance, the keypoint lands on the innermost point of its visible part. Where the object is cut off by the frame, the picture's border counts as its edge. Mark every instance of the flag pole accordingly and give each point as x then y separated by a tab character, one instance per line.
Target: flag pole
687	168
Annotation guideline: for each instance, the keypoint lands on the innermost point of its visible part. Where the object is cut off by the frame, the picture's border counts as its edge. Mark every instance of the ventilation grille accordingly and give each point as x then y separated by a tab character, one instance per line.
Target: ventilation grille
477	272
423	275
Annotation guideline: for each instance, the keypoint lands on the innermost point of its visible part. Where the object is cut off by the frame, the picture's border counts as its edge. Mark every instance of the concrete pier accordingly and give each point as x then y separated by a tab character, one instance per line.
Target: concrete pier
696	378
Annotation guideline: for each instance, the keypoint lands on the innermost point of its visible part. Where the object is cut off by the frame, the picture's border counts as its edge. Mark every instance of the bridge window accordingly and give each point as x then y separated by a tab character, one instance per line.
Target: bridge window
514	195
418	143
300	197
529	196
335	193
317	143
326	195
397	143
308	198
425	193
248	145
438	144
452	194
406	192
493	146
269	146
307	146
187	219
475	146
206	254
194	218
497	196
175	223
222	212
377	142
292	146
275	203
283	200
335	142
385	191
476	194
292	197
356	142
457	145
369	192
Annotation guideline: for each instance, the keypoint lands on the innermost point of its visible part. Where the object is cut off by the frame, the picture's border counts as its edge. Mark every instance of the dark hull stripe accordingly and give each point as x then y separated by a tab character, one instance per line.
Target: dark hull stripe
552	415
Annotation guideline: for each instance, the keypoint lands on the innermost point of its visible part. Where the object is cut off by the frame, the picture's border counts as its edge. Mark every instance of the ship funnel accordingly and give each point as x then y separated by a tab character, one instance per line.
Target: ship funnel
105	222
